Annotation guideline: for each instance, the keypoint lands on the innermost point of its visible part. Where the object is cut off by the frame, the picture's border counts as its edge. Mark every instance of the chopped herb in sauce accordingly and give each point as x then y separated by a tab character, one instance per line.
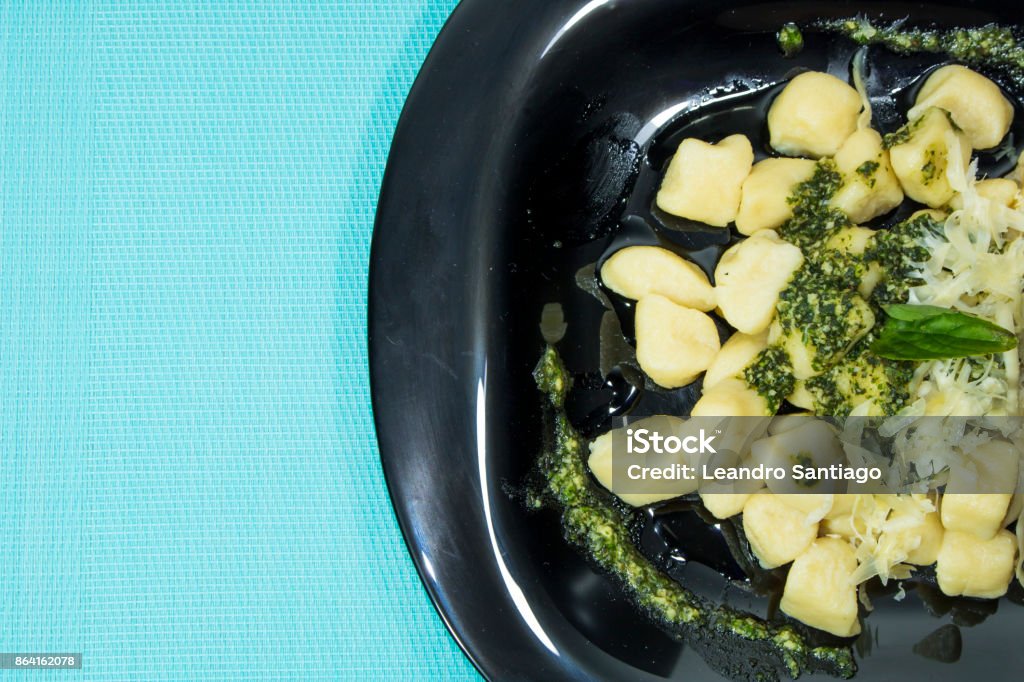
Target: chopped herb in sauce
813	218
867	171
930	169
901	136
828	315
791	40
991	45
771	375
900	251
862	375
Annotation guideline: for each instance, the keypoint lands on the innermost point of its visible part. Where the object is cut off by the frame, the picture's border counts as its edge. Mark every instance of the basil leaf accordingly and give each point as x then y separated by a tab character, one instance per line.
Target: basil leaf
913	313
925	332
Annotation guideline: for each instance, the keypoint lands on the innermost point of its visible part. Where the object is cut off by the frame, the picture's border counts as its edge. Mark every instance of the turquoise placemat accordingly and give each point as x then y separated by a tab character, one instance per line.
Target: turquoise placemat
189	481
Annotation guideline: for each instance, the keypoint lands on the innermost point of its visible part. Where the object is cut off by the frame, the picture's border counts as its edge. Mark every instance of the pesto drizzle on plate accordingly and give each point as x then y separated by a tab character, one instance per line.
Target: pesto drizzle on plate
991	45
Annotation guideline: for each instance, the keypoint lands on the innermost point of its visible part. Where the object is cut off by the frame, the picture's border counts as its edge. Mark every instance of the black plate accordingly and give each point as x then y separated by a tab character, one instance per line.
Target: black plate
513	165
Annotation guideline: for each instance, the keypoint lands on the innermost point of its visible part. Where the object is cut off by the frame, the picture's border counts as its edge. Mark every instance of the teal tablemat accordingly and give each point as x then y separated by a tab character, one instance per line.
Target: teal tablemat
189	481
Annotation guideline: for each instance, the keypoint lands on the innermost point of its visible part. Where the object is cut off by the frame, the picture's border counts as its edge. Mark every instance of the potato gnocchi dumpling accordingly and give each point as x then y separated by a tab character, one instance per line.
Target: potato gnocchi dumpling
1003	191
801	396
786	422
777	532
737	353
976	104
820	590
674	344
638	271
921	156
870	187
815	506
764	201
600	464
978	515
970	566
749	278
813	115
842	503
703	180
996	462
921	535
855	240
810	444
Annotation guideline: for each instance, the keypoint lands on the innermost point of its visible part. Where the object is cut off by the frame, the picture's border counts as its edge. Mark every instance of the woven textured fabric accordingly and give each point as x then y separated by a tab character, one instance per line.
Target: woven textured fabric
189	481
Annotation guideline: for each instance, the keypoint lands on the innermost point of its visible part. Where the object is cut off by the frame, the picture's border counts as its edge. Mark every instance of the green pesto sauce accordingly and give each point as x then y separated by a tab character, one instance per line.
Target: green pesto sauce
867	171
862	374
601	530
813	218
901	136
821	305
990	45
900	251
771	375
791	40
930	170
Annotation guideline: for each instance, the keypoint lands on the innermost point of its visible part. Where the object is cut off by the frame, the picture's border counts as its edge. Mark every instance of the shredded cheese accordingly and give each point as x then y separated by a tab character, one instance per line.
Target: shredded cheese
976	266
859	68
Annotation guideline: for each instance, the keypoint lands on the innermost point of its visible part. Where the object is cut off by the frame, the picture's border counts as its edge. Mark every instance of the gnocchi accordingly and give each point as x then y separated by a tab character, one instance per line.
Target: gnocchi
813	115
777	532
600	462
674	344
978	515
921	535
820	590
870	187
638	271
922	159
976	104
764	196
856	240
735	356
973	567
703	181
730	398
1001	191
724	505
749	278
